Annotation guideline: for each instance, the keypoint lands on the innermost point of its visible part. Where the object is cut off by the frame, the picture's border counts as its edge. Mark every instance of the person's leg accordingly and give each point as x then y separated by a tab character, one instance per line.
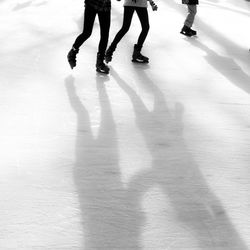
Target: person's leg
127	18
143	17
89	18
186	29
192	10
104	21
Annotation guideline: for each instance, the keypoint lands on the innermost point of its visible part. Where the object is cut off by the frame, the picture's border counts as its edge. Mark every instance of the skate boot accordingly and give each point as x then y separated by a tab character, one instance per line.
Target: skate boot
72	57
109	54
193	31
137	57
187	31
101	67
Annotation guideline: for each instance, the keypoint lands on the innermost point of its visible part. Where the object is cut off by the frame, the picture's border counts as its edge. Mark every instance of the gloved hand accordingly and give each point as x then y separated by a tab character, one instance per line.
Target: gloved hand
153	5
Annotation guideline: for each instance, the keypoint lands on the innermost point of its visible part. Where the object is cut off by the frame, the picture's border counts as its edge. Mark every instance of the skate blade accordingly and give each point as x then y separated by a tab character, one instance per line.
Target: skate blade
139	61
102	71
183	33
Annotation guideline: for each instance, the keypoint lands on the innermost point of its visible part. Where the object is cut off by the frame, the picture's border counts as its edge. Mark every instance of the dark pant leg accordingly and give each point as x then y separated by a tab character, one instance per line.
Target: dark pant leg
104	20
127	18
192	10
89	18
143	17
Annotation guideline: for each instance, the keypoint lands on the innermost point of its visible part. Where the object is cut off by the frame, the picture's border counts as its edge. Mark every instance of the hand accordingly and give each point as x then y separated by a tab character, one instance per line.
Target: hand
154	7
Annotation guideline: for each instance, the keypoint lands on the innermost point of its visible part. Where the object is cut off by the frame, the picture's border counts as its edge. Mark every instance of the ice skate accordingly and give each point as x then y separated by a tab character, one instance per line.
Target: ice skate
109	54
193	31
186	31
137	57
101	67
72	57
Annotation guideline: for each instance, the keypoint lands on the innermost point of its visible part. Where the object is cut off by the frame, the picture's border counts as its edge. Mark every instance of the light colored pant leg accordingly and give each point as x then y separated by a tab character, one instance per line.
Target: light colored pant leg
192	10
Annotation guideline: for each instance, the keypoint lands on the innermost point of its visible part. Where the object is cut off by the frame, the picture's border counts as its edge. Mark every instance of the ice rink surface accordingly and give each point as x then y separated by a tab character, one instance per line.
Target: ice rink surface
151	157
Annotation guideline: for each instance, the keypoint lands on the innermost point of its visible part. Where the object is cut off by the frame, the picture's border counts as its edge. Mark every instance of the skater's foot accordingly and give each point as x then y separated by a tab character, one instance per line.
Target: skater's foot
194	32
108	55
186	31
137	57
140	59
101	67
72	57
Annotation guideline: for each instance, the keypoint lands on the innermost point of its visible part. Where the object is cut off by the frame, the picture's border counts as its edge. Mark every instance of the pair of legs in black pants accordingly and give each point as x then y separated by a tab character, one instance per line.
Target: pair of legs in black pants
127	18
89	18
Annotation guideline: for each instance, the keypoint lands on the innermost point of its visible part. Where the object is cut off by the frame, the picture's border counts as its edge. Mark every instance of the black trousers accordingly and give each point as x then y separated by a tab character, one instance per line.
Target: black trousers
89	18
127	18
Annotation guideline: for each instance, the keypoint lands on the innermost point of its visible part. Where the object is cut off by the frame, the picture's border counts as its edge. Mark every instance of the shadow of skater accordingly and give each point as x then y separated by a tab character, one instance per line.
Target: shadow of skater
226	66
20	6
110	222
176	173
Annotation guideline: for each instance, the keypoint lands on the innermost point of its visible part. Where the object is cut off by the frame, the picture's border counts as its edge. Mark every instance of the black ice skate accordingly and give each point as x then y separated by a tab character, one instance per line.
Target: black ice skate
137	57
187	31
193	31
101	67
109	54
72	57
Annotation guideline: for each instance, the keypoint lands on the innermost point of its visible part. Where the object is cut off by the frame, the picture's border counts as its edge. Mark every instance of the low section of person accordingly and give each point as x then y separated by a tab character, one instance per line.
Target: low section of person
130	7
102	9
192	11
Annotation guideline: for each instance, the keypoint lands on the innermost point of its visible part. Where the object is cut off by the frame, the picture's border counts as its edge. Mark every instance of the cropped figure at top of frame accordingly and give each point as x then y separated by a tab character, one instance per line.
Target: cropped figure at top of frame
192	10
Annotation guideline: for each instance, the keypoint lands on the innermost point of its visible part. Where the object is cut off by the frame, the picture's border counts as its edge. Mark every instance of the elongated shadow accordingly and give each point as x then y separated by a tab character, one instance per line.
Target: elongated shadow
211	32
110	222
176	173
20	6
217	6
239	77
226	66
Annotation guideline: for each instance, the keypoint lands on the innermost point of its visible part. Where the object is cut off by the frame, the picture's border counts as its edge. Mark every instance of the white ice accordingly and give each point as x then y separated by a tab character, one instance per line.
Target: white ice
148	158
